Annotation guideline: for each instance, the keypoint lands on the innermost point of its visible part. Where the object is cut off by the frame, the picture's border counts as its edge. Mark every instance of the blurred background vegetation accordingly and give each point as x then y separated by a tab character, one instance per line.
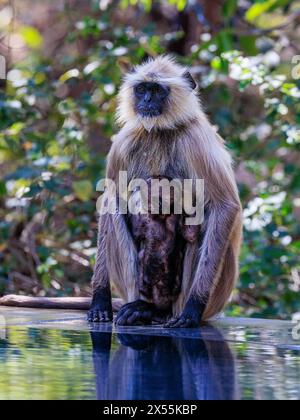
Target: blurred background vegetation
64	61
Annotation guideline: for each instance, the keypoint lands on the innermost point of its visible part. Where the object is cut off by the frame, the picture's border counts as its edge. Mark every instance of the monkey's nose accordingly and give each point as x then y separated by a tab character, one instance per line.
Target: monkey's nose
148	97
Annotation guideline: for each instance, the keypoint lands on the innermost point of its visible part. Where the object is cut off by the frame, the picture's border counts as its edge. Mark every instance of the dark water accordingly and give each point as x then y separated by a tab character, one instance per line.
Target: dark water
57	364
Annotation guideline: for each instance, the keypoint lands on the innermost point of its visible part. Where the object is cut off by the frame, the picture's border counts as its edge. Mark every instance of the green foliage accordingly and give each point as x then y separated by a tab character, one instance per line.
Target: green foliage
258	9
271	247
57	114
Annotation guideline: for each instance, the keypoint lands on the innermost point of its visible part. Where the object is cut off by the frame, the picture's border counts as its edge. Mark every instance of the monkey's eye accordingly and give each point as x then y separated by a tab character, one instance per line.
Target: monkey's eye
140	89
162	91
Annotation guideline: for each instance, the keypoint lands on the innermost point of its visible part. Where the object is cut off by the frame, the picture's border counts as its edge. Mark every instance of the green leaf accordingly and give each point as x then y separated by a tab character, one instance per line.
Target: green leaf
225	41
248	44
3	190
70	74
270	20
181	4
216	63
31	36
258	9
83	190
229	8
16	128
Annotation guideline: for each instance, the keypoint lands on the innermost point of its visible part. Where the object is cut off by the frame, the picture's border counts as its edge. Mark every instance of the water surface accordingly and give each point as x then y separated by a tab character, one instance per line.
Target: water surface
50	362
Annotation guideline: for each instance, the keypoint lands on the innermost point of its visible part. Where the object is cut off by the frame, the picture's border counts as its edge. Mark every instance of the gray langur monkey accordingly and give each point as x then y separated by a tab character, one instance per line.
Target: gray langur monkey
165	133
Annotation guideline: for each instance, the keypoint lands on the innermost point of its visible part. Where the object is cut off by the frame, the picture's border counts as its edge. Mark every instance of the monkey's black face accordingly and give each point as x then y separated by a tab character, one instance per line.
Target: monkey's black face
150	98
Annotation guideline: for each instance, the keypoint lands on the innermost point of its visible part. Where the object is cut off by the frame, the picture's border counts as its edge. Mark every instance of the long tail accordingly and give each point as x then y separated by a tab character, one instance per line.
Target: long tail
53	303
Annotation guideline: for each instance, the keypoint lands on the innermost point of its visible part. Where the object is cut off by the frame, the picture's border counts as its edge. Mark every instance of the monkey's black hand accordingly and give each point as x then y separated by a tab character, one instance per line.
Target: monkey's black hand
135	313
101	308
191	316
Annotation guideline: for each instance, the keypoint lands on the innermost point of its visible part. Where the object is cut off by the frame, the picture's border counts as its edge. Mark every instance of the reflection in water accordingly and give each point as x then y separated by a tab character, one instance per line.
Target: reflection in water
163	368
57	363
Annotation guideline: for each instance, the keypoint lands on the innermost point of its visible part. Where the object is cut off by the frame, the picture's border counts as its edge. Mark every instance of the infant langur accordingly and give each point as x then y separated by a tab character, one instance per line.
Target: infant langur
160	237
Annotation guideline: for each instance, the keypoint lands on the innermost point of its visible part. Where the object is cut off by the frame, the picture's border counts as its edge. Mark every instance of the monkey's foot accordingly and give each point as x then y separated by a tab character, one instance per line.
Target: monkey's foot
98	314
184	321
191	316
101	309
136	313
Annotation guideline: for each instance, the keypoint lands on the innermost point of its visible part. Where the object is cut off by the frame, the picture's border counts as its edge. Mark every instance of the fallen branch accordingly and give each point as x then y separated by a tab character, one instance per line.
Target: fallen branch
72	303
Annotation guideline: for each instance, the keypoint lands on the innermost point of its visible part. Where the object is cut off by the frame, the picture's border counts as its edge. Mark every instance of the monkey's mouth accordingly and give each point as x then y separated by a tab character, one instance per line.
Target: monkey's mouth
149	112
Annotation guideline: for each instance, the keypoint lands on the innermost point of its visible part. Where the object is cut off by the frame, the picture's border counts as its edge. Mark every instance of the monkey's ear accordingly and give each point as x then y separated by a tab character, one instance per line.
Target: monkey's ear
187	75
125	66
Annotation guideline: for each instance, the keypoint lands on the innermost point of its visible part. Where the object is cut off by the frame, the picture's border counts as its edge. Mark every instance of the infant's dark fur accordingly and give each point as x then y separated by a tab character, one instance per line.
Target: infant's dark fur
161	241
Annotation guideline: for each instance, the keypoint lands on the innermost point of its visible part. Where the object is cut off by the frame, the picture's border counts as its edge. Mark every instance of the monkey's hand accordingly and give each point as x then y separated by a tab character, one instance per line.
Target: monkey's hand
191	316
101	309
136	313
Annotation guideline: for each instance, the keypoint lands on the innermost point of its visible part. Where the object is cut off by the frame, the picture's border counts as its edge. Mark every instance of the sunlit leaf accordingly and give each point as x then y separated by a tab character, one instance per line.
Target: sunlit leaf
70	74
181	4
83	190
216	63
270	20
31	36
258	9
